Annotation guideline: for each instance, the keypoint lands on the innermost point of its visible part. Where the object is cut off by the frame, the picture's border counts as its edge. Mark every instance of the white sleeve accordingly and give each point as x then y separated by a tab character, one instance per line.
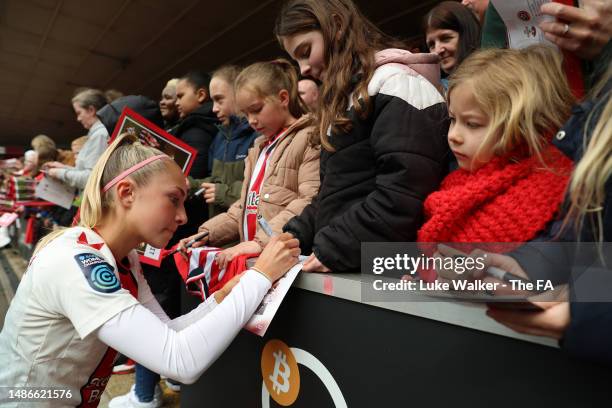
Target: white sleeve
155	308
196	314
184	355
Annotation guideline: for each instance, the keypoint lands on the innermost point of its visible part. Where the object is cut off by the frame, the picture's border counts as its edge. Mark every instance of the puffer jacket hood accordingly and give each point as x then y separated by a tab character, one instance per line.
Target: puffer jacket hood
149	109
426	64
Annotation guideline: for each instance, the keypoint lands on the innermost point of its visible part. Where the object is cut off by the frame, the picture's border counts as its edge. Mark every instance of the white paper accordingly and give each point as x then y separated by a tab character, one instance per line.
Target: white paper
522	19
268	307
55	192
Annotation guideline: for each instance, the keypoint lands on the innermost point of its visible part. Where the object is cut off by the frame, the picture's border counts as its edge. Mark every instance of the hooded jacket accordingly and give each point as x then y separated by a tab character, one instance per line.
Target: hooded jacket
145	107
373	185
198	129
226	163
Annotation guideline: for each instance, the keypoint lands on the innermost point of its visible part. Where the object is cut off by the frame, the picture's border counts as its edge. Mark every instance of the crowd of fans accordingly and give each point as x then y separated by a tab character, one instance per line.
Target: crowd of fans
369	142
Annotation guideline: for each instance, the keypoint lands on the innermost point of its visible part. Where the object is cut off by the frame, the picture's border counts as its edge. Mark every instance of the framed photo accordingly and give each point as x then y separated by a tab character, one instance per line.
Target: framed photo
151	135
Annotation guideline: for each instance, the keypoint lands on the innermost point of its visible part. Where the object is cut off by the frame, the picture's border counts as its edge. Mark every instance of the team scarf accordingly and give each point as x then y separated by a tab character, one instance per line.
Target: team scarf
502	202
202	274
257	177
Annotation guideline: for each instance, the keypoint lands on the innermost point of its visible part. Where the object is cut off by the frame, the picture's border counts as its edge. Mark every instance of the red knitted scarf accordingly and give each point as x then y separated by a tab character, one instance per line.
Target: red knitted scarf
503	201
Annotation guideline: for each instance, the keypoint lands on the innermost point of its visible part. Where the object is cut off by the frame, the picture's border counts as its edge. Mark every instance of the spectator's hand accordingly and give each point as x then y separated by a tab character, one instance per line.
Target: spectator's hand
209	192
278	256
227	255
583	31
550	322
183	242
312	264
53	172
227	288
503	262
53	165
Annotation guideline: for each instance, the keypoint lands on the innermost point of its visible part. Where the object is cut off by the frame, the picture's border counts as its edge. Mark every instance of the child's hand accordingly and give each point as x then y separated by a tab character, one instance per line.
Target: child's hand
209	192
182	246
312	264
225	257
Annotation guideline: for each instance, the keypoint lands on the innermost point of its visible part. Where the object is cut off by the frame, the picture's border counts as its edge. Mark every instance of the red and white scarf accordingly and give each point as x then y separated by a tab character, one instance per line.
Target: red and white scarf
257	177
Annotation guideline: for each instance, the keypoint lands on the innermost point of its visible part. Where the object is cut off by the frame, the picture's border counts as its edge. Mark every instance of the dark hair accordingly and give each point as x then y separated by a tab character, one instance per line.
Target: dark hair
452	15
349	57
199	80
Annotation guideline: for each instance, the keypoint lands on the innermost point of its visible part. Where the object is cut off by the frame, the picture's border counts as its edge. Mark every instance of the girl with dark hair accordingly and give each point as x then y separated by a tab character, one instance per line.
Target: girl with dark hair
382	124
453	32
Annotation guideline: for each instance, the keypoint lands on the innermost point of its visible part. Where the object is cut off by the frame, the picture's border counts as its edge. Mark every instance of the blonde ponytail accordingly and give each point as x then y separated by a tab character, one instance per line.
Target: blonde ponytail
267	79
123	153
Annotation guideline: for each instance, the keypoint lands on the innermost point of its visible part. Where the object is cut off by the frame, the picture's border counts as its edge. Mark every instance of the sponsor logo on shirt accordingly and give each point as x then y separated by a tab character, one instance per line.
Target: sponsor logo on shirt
240	156
99	274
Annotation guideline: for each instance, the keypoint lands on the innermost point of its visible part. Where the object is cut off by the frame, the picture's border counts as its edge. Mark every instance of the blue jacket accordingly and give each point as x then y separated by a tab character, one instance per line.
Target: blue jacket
226	163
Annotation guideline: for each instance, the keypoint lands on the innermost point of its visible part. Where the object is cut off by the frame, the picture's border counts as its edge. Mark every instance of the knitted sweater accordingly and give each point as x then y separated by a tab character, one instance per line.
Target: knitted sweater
503	201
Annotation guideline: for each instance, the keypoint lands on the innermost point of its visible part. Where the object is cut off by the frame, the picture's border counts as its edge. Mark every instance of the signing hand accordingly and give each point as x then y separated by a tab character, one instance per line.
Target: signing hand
278	256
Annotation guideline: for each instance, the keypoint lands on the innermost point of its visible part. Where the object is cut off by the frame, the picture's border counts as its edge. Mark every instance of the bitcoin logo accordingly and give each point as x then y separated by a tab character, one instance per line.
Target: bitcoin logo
280	361
280	372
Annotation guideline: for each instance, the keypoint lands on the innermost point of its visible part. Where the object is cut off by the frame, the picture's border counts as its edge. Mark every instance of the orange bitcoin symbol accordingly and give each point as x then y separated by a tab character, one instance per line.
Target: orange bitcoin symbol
280	372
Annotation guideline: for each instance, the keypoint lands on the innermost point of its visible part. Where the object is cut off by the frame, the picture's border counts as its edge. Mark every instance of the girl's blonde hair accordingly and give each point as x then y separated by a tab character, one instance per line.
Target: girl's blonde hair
523	92
79	141
267	79
42	141
123	153
587	186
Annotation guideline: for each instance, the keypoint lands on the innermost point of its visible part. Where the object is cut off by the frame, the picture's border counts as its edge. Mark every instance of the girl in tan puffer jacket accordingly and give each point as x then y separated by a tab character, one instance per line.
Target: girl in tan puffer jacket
282	168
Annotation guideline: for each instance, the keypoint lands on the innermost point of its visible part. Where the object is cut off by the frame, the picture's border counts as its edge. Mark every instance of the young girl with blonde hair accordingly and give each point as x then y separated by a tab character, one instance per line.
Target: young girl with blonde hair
281	174
511	180
83	297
